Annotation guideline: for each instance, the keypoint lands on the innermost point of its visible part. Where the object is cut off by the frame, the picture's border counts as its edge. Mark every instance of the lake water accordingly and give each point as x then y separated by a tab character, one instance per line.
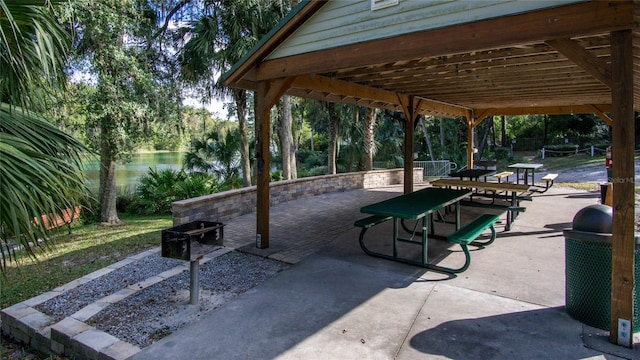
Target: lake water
127	175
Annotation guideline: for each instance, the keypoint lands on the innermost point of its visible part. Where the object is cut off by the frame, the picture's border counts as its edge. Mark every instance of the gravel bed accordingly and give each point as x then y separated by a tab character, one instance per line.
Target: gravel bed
163	308
75	299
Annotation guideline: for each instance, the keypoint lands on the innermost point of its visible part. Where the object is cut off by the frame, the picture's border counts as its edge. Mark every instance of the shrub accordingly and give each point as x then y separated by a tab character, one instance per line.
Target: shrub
311	159
316	171
276	175
159	188
501	153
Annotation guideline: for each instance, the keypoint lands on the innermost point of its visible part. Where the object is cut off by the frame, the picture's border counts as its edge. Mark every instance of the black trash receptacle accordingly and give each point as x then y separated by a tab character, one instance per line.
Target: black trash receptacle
588	268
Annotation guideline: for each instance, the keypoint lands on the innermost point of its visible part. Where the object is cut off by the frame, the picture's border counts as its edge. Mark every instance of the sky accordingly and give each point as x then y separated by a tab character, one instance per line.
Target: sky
215	106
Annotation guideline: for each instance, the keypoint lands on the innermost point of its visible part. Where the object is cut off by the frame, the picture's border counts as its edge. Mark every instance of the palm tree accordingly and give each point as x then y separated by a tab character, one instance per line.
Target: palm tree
218	154
218	40
39	164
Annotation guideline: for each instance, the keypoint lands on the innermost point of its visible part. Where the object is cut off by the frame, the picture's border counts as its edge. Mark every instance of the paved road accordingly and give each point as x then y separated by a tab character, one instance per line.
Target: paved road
595	173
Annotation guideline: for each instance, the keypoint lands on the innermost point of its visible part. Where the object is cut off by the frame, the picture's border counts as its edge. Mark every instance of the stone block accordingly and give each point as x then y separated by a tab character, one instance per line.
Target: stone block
67	328
34	301
33	323
15	312
90	343
41	340
98	273
88	311
72	285
119	351
117	296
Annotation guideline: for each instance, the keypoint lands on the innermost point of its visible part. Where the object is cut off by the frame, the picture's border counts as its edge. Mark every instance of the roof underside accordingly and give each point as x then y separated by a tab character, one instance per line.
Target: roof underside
550	61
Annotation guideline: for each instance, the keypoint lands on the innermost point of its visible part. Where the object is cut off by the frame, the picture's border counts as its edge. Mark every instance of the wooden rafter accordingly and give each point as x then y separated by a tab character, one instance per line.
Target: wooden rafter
585	59
349	92
598	111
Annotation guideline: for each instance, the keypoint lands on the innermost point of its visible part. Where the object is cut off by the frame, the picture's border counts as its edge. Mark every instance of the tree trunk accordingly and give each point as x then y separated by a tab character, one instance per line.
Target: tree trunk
485	136
422	120
504	131
108	189
368	141
546	124
333	137
286	139
493	132
240	97
354	140
441	133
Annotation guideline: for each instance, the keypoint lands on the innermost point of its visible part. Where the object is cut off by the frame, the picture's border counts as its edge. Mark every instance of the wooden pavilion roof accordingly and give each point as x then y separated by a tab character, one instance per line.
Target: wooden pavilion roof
556	56
555	60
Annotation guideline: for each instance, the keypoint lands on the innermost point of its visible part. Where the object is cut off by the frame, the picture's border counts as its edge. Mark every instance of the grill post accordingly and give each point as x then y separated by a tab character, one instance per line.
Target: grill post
194	282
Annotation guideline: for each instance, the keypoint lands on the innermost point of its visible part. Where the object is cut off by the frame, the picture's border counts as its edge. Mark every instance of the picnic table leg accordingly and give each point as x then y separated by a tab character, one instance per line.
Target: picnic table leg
457	215
533	177
431	223
424	238
511	214
395	238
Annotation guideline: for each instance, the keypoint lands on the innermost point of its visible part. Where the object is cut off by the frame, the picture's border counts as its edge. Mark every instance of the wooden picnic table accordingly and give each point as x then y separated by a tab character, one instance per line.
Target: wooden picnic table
417	205
526	167
472	174
513	189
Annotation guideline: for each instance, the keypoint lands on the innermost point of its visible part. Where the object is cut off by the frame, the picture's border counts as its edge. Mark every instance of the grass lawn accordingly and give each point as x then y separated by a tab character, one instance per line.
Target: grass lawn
88	248
568	162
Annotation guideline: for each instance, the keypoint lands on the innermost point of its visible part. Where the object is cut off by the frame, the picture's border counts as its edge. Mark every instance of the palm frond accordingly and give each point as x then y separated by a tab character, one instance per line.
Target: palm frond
34	48
40	173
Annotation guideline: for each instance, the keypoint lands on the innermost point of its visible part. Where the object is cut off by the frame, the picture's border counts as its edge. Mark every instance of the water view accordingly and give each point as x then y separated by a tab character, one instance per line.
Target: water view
128	174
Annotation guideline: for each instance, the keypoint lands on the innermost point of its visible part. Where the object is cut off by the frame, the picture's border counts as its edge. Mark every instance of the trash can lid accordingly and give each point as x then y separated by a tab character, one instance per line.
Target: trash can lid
596	218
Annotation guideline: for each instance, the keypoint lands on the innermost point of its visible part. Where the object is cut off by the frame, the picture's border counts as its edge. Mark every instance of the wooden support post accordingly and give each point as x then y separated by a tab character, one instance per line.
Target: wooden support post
623	246
470	129
263	126
268	93
409	107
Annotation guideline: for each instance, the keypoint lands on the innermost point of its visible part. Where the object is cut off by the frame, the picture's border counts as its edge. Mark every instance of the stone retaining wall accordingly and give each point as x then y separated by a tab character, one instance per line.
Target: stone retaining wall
230	204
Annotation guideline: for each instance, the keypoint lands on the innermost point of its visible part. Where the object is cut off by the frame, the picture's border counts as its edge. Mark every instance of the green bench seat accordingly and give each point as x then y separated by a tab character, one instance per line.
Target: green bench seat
371	221
469	232
467	235
366	224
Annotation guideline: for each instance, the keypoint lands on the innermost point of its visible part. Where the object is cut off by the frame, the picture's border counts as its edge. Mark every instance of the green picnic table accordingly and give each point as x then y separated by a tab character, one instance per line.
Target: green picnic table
418	205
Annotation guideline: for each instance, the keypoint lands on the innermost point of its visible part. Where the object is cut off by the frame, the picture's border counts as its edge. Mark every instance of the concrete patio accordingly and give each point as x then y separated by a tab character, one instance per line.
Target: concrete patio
337	302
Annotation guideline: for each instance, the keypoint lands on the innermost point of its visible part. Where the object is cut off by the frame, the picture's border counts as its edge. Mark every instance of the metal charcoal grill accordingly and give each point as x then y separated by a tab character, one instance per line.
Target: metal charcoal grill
191	241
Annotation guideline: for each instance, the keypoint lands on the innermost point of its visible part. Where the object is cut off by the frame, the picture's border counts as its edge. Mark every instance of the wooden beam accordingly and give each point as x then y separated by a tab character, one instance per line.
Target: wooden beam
276	89
344	88
549	110
483	113
427	106
601	114
580	56
353	90
566	21
623	236
476	121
